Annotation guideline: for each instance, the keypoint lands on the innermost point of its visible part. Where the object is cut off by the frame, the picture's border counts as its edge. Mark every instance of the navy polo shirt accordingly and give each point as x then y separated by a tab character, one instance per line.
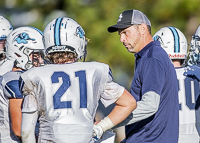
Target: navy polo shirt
155	72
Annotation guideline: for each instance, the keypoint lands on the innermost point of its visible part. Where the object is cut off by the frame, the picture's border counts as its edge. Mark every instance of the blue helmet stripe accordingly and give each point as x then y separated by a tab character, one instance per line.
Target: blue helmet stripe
57	31
36	29
176	39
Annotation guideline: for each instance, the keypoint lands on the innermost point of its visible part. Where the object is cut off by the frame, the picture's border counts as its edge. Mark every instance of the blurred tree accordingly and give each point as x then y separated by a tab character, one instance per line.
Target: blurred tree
96	15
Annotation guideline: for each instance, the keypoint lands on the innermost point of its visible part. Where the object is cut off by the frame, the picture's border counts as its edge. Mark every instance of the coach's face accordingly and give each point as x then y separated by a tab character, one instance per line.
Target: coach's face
130	37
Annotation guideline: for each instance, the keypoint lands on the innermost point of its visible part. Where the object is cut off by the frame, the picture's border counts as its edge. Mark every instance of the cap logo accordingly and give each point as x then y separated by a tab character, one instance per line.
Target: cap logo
120	18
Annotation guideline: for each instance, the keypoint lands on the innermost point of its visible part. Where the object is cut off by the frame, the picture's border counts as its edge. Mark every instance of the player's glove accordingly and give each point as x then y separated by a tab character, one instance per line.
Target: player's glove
193	71
97	132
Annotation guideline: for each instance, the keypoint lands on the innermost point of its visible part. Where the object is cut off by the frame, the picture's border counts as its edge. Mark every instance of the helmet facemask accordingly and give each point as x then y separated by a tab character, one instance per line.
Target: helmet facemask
194	55
24	45
37	58
30	58
2	49
5	29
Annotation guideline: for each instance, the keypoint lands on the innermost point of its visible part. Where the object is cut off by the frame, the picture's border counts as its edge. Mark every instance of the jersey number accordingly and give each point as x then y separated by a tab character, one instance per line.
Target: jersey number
188	95
65	85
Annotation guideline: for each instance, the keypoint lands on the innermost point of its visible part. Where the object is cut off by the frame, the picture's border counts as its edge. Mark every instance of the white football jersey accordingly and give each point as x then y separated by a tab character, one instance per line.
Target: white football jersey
189	112
5	66
67	98
9	85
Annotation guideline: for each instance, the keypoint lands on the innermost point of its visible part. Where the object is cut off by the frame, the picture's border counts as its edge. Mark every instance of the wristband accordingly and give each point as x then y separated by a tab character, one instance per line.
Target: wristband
106	124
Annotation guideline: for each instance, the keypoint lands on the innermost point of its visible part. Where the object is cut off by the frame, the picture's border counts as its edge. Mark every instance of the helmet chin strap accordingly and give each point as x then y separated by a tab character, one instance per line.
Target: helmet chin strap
85	54
85	51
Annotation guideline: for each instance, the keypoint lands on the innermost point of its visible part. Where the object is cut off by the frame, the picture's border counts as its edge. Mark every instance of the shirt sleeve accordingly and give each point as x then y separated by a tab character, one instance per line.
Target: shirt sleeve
145	108
29	101
26	85
11	85
111	93
28	127
29	104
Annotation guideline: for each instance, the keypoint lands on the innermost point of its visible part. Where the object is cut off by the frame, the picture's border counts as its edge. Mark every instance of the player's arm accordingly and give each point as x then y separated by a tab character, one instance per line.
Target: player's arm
12	91
15	115
29	118
28	127
147	107
125	104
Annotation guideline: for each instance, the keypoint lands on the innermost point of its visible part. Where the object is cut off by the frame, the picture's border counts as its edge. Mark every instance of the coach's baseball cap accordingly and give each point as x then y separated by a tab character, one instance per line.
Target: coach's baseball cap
128	18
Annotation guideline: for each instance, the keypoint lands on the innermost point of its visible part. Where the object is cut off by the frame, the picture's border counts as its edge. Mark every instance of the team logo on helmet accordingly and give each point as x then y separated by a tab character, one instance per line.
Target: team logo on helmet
80	32
158	38
22	38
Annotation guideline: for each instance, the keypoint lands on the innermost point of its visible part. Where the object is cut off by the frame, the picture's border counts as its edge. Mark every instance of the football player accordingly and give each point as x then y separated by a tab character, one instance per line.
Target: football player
65	94
5	29
26	49
175	44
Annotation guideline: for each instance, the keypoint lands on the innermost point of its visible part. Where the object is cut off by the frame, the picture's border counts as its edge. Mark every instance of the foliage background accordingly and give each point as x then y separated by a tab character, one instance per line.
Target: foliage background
96	15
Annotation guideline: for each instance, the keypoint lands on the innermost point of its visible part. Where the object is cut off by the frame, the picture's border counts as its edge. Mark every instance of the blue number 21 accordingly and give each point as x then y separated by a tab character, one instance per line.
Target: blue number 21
65	85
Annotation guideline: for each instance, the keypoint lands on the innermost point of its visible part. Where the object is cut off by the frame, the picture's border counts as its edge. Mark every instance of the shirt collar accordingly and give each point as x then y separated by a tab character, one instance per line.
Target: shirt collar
145	49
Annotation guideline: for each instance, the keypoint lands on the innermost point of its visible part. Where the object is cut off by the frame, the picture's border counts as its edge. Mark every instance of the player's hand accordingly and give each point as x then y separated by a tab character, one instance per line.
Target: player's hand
193	71
97	132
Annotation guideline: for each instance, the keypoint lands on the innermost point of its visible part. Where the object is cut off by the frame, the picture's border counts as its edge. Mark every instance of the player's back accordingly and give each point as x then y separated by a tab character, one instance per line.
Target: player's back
7	89
189	117
67	96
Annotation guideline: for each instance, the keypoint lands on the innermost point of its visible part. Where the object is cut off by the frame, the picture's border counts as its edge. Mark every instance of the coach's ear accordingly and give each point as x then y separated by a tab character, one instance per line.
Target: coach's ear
143	28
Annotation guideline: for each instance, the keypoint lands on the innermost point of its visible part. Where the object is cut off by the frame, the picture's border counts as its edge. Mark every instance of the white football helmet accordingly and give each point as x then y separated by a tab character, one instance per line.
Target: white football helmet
65	34
5	29
194	51
173	41
21	42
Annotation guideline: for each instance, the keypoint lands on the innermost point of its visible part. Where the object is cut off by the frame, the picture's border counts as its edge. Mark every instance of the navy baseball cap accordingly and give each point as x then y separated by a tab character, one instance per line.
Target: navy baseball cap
128	18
